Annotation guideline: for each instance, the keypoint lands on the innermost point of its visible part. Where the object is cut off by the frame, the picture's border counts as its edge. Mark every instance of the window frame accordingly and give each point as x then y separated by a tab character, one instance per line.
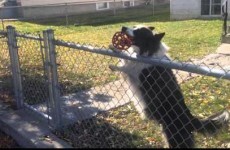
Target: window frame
98	7
211	6
131	2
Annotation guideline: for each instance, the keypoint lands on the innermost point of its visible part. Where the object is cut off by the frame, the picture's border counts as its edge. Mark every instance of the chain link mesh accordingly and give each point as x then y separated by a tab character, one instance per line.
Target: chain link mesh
34	82
99	107
85	12
102	102
6	85
89	88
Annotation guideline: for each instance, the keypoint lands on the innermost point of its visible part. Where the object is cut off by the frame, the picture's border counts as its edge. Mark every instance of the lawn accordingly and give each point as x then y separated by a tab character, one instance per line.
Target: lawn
122	127
187	39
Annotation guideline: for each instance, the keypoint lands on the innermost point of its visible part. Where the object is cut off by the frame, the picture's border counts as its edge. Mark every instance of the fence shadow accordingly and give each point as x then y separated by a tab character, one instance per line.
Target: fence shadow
99	133
6	90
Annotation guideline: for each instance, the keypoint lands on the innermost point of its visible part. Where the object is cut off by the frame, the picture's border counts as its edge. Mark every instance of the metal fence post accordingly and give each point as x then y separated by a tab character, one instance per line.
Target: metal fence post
3	26
114	8
153	3
66	14
51	69
15	67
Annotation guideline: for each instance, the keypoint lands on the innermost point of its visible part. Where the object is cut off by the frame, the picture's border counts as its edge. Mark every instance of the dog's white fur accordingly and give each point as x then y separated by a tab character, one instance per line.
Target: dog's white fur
133	69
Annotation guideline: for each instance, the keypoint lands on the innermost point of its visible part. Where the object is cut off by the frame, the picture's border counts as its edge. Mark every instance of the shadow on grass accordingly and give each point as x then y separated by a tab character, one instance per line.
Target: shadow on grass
36	88
74	82
98	133
6	90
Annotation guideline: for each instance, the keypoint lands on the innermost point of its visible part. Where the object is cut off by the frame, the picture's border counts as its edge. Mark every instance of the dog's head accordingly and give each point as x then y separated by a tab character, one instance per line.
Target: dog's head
147	41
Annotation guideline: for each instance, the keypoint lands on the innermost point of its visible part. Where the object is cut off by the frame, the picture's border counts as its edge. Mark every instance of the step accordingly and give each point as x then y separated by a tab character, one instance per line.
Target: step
28	131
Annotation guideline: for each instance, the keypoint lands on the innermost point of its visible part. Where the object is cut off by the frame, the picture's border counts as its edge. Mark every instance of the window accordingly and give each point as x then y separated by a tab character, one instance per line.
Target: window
210	7
128	3
103	5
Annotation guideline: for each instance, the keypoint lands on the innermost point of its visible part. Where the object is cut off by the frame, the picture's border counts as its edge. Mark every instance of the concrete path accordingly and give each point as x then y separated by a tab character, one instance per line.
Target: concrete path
224	49
219	60
27	130
86	104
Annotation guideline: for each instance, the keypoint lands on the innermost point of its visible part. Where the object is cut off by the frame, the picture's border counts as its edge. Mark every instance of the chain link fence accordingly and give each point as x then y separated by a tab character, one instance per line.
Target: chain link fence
85	12
34	83
71	86
6	84
107	115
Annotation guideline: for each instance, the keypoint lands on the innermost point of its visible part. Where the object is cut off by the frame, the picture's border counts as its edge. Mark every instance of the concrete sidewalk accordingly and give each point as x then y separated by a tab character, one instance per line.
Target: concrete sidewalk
27	130
224	49
86	104
219	60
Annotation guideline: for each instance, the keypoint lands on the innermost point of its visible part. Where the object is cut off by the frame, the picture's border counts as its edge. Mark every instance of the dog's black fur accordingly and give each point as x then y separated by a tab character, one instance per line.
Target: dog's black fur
160	94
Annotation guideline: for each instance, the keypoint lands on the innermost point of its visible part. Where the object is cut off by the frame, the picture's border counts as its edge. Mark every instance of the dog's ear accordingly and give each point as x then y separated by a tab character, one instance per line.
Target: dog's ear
159	36
151	28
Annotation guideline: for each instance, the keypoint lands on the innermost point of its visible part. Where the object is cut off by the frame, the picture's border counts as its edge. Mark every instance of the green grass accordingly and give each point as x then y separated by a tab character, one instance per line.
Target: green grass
208	96
123	127
187	39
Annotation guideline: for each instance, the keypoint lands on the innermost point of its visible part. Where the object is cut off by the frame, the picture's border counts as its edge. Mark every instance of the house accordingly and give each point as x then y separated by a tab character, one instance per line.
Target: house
188	9
52	8
6	9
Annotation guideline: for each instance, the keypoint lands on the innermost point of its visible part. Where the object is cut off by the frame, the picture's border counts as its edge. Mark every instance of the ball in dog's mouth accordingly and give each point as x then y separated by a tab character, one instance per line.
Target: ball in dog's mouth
121	41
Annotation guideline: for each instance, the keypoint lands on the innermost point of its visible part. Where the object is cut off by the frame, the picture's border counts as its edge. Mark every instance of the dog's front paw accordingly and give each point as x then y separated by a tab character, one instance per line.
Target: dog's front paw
112	67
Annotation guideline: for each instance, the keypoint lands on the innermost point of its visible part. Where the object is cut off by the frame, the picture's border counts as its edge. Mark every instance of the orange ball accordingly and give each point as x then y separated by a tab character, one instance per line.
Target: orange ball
121	41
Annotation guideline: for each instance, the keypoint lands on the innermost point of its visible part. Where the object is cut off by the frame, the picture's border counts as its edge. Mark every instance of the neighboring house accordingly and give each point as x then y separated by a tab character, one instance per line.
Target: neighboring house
6	12
187	9
46	8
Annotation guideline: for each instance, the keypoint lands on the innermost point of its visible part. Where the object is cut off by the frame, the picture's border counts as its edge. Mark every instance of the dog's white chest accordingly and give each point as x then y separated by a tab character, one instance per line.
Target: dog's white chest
133	70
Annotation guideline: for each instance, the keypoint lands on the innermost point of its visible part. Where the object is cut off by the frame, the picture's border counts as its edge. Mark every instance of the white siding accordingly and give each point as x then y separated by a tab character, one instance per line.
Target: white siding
185	9
48	2
55	8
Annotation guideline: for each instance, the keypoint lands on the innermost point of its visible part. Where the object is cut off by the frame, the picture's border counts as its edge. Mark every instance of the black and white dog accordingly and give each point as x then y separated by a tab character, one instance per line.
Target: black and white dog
159	95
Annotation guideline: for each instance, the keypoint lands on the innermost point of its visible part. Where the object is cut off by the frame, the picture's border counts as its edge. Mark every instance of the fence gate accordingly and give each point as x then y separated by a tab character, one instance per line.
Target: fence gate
31	59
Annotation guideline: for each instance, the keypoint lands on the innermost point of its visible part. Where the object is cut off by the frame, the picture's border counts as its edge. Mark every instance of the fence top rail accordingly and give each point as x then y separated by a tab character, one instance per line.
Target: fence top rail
184	66
32	37
27	36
